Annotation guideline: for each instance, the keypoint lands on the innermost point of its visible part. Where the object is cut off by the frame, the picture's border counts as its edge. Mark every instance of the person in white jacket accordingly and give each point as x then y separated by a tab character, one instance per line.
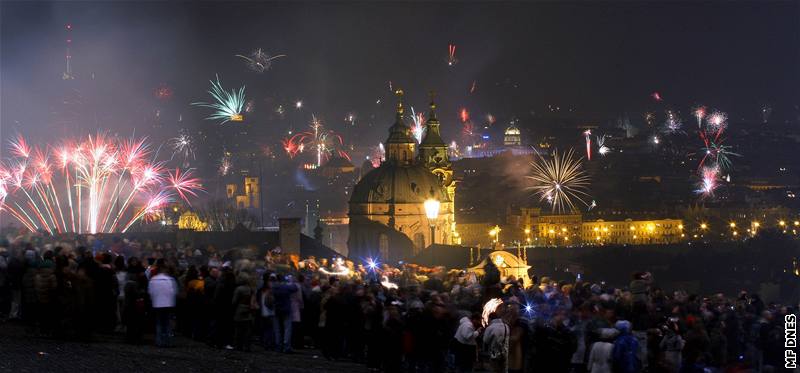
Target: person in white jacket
163	290
600	354
465	347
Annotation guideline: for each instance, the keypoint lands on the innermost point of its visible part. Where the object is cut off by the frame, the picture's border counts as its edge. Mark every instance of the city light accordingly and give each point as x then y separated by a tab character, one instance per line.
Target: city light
432	208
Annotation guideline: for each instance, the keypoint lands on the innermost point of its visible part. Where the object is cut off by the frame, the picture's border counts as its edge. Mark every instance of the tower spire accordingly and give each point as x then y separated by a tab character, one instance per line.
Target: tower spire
432	114
400	109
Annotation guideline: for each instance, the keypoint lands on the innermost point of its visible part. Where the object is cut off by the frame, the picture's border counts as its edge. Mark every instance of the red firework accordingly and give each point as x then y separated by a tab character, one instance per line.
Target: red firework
464	115
163	92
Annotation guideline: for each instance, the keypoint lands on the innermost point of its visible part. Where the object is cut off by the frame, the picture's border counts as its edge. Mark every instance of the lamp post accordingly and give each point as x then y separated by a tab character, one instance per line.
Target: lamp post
494	233
432	212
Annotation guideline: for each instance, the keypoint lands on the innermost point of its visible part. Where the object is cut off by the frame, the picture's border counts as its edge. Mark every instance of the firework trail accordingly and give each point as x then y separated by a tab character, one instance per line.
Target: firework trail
322	141
228	105
473	87
588	135
250	106
716	157
560	181
649	118
259	61
709	179
699	113
225	165
464	115
451	55
184	184
468	130
418	128
766	111
711	135
377	156
104	179
656	96
183	147
453	151
673	123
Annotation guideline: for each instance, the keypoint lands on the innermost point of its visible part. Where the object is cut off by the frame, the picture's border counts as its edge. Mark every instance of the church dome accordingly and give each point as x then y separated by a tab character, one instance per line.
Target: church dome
393	183
512	130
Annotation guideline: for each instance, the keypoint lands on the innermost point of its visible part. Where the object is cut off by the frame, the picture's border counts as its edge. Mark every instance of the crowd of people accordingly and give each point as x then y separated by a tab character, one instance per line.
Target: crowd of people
393	319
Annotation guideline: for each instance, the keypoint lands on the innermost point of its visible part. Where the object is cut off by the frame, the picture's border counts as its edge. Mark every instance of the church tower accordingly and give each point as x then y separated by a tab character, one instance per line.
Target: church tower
400	145
433	152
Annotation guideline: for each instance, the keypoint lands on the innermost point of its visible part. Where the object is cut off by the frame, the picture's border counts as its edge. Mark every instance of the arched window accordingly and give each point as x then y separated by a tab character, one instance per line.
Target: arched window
405	156
383	246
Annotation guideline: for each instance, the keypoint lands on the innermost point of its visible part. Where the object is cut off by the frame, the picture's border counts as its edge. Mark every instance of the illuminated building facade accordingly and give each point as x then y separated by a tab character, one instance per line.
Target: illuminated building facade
512	136
632	232
571	229
190	221
386	210
247	197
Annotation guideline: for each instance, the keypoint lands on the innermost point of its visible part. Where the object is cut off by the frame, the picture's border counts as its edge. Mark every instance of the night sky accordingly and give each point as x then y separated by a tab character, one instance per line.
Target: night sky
600	59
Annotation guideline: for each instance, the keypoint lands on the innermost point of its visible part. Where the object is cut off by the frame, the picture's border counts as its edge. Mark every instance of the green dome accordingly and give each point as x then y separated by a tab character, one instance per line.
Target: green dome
392	183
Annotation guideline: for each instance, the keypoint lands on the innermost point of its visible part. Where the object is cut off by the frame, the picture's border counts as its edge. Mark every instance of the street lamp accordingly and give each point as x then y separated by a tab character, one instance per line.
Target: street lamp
494	233
432	212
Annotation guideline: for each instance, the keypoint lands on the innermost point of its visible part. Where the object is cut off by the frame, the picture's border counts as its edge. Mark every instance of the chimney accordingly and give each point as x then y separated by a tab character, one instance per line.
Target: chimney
289	231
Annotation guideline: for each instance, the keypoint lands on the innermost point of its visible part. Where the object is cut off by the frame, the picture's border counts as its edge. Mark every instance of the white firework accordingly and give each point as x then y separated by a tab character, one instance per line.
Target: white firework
182	146
560	181
259	61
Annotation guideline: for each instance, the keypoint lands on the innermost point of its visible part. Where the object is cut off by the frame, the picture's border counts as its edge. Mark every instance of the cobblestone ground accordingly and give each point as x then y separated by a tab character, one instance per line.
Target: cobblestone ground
20	352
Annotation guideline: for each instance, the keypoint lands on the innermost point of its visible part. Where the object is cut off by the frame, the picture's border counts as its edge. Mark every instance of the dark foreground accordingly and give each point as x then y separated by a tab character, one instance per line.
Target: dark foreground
21	352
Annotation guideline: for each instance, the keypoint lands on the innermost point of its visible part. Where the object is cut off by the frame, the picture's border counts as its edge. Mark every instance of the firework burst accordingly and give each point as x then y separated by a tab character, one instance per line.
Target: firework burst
451	55
709	180
322	141
378	155
99	184
418	128
673	123
602	148
560	181
699	113
228	105
183	147
259	61
225	165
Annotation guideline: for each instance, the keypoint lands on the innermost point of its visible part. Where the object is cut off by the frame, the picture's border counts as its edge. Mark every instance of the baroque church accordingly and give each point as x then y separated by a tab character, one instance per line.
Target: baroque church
387	212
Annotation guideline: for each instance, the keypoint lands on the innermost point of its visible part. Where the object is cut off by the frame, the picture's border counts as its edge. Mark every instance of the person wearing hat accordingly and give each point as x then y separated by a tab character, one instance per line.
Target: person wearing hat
600	352
626	350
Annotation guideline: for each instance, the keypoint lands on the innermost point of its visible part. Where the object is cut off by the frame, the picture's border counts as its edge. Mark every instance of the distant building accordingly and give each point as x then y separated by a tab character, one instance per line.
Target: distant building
190	221
571	229
247	197
512	136
632	232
